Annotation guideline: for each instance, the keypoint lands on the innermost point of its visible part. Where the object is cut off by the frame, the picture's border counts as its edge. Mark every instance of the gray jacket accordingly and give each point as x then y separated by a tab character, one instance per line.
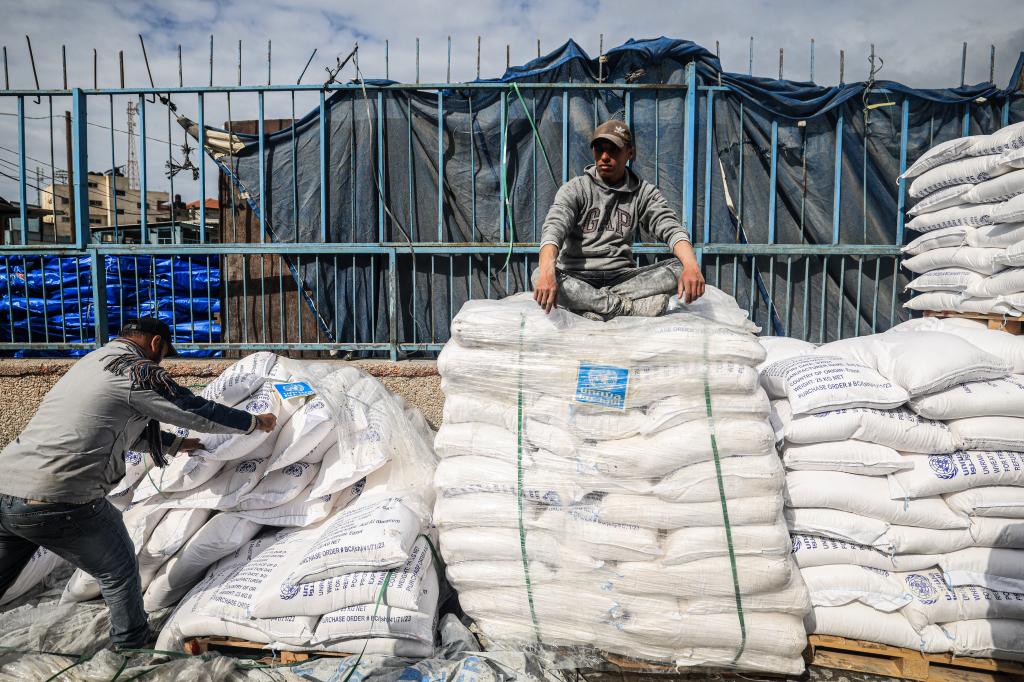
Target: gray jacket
73	448
593	224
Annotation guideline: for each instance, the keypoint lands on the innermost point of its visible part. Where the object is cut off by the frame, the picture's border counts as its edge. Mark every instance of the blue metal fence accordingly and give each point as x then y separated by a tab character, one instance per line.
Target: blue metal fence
789	284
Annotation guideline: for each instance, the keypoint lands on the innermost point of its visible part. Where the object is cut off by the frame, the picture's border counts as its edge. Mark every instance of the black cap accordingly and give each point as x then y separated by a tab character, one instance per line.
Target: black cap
151	325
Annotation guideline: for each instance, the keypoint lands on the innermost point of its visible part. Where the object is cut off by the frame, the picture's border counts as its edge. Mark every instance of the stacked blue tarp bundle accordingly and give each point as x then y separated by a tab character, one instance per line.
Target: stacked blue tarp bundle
50	299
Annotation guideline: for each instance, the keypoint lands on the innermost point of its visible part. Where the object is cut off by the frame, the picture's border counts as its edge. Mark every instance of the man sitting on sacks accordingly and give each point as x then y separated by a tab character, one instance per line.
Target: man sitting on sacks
586	263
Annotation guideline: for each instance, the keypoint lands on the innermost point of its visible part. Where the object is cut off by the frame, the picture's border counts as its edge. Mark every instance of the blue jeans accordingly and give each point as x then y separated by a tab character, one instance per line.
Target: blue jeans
89	536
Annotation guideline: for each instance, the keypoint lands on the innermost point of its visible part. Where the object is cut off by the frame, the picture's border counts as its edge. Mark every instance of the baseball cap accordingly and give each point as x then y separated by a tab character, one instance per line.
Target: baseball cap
151	325
616	132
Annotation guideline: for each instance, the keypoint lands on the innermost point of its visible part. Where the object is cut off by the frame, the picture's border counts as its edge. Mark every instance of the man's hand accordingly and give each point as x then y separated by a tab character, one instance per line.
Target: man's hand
190	445
691	282
545	291
266	422
691	285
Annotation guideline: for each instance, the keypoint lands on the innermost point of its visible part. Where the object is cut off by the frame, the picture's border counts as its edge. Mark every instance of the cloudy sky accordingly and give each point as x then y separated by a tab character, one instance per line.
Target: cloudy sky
920	42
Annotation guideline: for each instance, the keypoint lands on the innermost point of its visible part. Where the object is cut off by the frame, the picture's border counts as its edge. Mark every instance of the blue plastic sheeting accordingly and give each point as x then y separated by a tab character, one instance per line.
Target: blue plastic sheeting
50	299
409	136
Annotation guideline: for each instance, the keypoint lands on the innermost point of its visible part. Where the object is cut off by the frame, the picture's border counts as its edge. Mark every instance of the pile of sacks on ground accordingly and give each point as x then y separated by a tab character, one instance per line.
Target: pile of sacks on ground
970	211
904	457
315	535
614	487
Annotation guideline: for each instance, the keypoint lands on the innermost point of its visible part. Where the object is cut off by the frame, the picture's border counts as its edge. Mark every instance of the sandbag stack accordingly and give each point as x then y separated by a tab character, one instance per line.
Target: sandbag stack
345	469
613	487
970	213
903	526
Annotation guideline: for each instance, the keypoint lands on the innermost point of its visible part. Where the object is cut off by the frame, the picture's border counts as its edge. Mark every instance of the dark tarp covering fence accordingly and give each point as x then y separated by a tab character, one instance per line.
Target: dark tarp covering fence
820	296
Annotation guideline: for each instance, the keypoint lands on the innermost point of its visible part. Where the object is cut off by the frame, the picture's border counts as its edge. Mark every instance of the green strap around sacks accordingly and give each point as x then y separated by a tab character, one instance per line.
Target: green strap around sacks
725	508
519	479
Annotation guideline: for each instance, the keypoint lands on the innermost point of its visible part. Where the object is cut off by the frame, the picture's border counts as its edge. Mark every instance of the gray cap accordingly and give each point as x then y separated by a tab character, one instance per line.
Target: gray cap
616	132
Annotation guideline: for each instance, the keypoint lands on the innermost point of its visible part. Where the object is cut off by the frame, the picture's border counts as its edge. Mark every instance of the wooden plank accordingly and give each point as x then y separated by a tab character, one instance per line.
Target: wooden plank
202	645
881	659
1012	325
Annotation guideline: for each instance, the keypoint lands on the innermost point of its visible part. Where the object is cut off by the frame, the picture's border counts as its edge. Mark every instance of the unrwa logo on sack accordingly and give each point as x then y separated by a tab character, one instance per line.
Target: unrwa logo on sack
943	466
289	591
921	588
132	457
603	385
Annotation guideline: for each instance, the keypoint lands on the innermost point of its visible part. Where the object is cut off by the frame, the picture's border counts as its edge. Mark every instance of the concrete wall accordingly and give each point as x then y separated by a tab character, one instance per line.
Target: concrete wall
23	383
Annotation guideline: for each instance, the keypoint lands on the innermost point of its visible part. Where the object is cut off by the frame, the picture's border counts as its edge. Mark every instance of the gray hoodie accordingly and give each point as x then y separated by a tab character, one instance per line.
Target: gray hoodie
593	224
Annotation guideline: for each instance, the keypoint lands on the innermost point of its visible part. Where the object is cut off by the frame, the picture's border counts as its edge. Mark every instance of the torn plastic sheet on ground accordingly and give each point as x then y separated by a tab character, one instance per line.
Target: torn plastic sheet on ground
78	632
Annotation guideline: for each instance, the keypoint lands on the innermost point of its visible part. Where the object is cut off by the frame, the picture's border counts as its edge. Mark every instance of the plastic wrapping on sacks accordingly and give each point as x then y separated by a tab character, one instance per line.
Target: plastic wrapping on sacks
614	486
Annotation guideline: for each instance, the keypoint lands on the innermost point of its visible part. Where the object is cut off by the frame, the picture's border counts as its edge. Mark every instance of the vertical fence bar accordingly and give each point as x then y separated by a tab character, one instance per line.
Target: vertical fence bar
144	199
902	188
201	153
113	175
322	118
773	182
263	171
381	222
22	172
708	153
565	135
502	168
80	160
393	304
689	155
99	288
440	164
1005	118
837	181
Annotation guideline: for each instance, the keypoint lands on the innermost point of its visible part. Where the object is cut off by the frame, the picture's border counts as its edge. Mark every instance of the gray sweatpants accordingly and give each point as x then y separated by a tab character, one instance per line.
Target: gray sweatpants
603	291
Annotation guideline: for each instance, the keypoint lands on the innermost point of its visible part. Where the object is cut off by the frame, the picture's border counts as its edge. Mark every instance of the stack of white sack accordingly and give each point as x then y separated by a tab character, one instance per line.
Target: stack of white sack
970	213
613	486
925	559
211	504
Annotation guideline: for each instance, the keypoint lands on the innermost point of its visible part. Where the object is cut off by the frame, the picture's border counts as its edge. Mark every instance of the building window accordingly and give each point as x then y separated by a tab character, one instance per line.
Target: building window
120	211
119	192
138	204
64	200
93	184
95	202
95	221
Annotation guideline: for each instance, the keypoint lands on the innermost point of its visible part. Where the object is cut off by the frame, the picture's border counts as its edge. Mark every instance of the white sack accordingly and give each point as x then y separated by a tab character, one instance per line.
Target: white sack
838	585
988	638
305	509
993	341
936	602
815	550
306	436
898	429
998	189
1012	256
946	279
279	486
174	529
381	622
645	512
782	348
412	586
1006	140
850	456
819	383
40	565
979	259
1003	502
989	433
939	474
944	152
867	496
957	302
503	544
703	542
1006	282
921	362
966	171
997	569
998	236
742	477
971	215
221	535
857	621
1010	211
186	471
996	397
943	198
370	535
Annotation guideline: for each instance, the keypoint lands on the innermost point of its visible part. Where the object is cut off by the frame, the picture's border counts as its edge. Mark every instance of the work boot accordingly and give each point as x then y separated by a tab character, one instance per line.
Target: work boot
649	306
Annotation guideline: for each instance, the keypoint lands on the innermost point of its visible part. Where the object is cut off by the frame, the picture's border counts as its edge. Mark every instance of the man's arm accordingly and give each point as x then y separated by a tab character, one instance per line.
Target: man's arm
560	218
663	224
545	291
691	282
174	404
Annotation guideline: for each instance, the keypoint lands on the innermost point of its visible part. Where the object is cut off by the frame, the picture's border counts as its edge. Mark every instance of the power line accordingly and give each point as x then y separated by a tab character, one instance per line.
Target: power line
95	125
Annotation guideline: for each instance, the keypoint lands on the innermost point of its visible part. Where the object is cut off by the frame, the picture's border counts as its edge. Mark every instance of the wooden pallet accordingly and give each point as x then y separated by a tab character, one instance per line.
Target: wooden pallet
998	322
907	664
242	648
636	666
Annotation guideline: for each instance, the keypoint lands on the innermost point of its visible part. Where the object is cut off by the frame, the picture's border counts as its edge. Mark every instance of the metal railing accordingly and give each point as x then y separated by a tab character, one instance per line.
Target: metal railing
383	289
